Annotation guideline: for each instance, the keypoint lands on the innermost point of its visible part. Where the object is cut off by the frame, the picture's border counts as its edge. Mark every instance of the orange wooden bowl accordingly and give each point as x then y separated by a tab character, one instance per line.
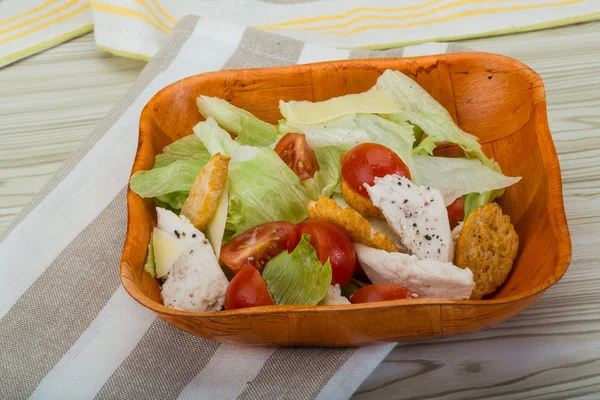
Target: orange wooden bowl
498	99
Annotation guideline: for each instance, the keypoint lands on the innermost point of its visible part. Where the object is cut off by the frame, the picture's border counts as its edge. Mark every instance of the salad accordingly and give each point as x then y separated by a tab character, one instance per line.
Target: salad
342	202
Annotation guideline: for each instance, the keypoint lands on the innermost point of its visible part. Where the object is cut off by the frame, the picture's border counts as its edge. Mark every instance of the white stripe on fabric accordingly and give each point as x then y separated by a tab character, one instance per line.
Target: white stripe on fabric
347	379
315	53
216	381
114	333
104	171
425	49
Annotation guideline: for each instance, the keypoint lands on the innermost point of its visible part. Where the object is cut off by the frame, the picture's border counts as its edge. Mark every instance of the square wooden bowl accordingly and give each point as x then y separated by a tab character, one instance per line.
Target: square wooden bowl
498	99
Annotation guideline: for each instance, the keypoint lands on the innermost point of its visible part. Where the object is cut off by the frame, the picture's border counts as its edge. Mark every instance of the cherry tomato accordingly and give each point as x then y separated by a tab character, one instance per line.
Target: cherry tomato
258	245
247	289
456	212
331	243
295	152
380	292
367	161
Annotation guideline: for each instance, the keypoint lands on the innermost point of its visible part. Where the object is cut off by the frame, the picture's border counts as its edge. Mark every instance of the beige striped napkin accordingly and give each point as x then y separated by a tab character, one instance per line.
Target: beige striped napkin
138	28
69	330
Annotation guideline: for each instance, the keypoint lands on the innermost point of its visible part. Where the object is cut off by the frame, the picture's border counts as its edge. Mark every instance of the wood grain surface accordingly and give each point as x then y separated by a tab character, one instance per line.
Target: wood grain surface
51	101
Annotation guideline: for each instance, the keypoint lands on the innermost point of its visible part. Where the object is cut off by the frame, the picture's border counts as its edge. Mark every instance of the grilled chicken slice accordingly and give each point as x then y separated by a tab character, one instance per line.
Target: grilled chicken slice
416	214
195	282
427	278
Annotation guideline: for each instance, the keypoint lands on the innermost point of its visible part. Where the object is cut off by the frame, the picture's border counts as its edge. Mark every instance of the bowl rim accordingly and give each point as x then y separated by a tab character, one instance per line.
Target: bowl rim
549	161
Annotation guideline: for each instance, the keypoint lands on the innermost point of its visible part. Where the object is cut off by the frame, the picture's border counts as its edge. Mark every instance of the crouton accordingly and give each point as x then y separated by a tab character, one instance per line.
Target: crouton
487	245
351	222
363	205
201	204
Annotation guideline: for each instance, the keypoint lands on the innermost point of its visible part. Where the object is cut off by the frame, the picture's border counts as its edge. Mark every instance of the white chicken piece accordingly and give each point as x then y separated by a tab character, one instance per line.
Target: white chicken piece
195	282
334	297
427	278
456	232
416	214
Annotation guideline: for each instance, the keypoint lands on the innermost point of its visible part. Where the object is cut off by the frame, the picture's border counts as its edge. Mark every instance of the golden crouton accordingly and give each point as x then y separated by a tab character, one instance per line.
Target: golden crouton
487	245
351	222
201	204
361	204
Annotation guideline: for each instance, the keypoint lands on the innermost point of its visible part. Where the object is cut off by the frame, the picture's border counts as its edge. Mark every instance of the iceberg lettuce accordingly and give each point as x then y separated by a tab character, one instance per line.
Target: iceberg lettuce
418	107
455	177
248	129
298	278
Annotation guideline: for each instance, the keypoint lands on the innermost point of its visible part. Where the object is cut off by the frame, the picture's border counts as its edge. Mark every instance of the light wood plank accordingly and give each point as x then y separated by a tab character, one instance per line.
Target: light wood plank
49	103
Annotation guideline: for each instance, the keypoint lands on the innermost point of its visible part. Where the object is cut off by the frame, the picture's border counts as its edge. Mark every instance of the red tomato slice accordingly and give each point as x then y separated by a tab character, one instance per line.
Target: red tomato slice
247	289
456	212
380	292
331	243
295	152
258	245
367	161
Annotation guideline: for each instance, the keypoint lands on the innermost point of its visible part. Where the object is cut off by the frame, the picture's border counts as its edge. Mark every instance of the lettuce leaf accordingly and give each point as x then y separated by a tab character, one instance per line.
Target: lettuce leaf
174	171
417	106
150	265
249	129
215	139
425	147
264	189
172	201
298	278
455	177
175	177
476	200
187	148
327	179
309	113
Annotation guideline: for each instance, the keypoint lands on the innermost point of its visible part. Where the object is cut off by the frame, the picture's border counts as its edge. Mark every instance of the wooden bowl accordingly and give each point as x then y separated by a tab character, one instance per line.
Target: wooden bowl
498	99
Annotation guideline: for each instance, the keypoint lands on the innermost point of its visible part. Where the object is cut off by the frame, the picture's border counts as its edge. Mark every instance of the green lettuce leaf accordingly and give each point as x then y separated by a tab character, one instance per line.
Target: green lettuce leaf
215	139
425	147
417	106
150	265
327	179
175	177
455	177
187	148
174	171
263	189
172	201
298	278
476	200
309	113
248	129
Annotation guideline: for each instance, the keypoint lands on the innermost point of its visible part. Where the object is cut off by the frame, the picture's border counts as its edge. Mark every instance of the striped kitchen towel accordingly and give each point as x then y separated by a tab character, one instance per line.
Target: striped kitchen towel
69	330
138	28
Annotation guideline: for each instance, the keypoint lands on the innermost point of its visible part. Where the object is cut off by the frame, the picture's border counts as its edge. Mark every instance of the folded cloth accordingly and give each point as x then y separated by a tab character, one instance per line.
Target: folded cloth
68	329
138	28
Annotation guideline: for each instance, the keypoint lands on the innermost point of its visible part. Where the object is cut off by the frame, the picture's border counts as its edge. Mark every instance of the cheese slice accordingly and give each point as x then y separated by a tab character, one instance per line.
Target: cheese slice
166	250
216	227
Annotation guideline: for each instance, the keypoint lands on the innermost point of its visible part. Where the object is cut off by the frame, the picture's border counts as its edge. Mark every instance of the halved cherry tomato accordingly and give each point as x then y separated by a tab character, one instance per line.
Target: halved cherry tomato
331	243
380	292
367	161
456	212
295	152
247	289
258	245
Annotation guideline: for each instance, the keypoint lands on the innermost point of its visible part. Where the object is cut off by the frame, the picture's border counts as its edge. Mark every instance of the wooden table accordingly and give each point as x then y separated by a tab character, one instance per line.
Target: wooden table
50	102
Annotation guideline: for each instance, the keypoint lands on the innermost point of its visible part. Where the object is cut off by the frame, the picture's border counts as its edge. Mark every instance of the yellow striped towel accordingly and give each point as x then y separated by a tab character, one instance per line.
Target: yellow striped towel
137	28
